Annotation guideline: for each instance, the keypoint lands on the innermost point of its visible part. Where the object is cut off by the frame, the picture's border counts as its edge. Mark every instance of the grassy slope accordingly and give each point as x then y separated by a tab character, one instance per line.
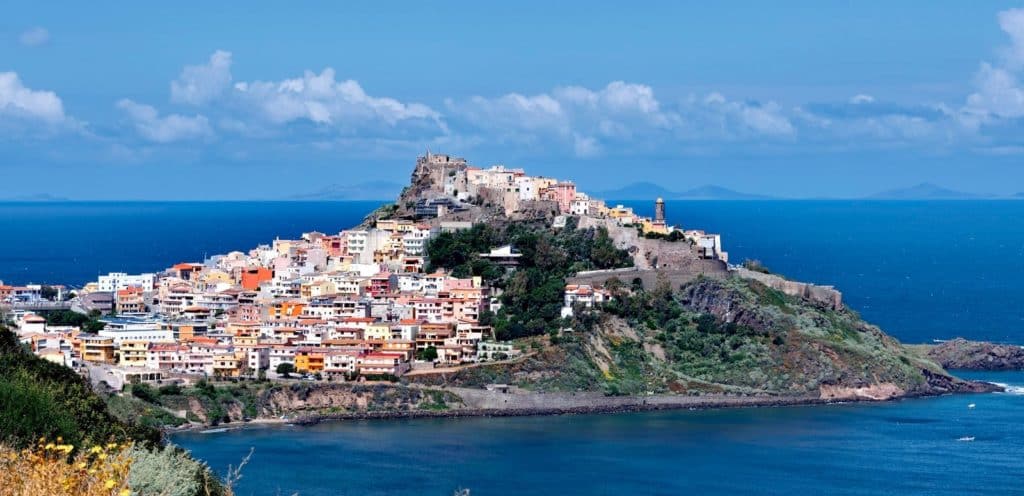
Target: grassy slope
42	399
677	341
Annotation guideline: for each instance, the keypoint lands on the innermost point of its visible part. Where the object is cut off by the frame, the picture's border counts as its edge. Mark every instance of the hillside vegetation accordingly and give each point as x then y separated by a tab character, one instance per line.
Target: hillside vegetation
716	335
57	437
532	294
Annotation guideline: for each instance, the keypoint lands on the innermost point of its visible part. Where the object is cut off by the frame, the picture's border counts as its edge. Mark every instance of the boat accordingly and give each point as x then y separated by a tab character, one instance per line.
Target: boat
966	439
971	406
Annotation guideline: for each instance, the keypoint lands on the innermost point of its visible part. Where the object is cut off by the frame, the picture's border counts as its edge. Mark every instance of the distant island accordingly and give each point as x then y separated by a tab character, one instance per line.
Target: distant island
646	191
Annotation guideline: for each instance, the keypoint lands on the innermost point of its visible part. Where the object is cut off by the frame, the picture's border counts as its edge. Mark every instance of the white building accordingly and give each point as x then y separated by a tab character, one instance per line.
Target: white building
582	294
115	281
133	329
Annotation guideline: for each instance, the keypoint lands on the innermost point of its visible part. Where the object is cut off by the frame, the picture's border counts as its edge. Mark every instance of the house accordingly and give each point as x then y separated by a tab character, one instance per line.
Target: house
309	360
129	301
228	365
115	281
94	348
252	277
133	353
32	323
504	256
381	364
489	350
582	294
562	193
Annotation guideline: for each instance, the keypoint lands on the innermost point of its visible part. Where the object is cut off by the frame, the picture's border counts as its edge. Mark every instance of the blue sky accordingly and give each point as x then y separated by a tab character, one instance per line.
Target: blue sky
193	101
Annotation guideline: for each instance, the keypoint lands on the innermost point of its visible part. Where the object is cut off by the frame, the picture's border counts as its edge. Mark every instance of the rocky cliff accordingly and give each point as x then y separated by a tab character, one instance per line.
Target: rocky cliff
975	355
721	336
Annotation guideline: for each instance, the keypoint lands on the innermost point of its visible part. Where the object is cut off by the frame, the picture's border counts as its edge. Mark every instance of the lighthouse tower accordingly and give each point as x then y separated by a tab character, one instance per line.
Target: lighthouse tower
659	211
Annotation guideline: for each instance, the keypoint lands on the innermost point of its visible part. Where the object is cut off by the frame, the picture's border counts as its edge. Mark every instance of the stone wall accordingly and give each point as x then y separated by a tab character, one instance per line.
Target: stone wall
826	295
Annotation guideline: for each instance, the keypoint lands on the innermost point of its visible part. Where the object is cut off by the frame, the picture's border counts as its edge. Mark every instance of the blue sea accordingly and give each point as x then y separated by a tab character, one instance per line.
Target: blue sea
921	270
902	447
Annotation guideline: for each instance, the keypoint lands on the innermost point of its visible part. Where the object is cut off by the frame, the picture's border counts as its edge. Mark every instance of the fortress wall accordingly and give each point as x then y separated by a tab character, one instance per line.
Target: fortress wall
826	295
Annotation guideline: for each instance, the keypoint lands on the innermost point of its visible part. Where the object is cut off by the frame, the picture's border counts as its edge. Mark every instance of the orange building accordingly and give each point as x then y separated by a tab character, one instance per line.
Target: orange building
286	309
253	276
308	360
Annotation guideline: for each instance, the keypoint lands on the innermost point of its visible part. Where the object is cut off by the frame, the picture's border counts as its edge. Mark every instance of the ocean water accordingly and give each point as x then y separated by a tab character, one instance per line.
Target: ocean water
920	270
902	447
73	242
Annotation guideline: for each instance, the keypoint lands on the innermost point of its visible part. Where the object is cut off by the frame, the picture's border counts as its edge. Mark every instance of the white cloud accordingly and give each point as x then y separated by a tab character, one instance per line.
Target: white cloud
16	100
151	126
1012	22
584	146
998	93
34	37
862	98
716	115
198	84
320	99
580	118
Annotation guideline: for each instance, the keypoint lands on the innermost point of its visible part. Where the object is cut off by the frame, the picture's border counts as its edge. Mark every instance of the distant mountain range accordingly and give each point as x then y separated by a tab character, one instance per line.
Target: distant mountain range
923	191
650	191
372	190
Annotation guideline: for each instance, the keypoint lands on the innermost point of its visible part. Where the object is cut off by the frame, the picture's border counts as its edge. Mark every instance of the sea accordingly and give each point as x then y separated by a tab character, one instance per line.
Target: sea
936	446
922	271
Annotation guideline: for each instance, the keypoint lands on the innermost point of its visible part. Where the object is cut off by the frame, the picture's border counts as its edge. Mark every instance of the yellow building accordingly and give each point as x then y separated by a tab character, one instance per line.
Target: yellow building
624	215
212	278
133	353
377	332
649	226
314	289
309	361
396	225
228	365
96	349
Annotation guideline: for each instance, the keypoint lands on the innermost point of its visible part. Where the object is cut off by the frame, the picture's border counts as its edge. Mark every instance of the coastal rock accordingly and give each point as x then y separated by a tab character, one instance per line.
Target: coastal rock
977	355
875	392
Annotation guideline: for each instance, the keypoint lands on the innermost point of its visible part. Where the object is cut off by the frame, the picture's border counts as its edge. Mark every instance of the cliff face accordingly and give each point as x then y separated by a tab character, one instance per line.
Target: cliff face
721	336
352	398
815	346
975	355
305	399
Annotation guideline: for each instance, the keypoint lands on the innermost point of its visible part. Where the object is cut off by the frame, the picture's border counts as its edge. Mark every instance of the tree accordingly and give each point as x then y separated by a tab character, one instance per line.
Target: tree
428	354
48	293
285	369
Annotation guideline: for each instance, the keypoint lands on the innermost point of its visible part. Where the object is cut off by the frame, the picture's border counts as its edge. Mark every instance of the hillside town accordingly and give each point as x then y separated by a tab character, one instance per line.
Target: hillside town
358	304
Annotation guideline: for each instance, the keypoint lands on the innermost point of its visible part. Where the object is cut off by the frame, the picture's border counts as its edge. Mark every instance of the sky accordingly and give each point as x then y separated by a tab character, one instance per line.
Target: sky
188	100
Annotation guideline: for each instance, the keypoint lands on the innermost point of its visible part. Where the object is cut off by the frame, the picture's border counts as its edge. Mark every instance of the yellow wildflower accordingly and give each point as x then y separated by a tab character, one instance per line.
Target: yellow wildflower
110	484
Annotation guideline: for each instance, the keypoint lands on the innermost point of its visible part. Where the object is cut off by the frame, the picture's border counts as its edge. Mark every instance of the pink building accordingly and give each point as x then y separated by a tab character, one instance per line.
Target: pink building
563	193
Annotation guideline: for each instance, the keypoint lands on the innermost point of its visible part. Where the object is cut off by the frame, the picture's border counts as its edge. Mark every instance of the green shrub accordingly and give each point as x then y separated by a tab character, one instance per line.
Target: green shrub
170	471
43	399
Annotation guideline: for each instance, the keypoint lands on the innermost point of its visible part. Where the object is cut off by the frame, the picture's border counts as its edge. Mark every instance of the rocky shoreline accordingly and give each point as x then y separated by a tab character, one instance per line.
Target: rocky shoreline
542	404
963	354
